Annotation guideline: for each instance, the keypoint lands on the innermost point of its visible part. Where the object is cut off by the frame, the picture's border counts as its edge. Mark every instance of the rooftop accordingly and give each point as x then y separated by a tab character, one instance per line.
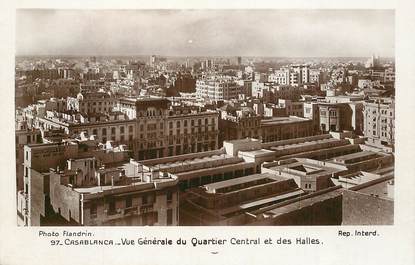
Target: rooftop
242	182
355	157
282	120
379	189
259	152
304	144
297	203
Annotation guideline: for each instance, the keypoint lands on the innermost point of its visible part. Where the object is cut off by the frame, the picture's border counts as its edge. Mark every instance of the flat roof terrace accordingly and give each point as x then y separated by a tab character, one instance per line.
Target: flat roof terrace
282	120
258	153
307	168
355	157
319	143
298	203
181	158
198	163
296	140
236	184
209	171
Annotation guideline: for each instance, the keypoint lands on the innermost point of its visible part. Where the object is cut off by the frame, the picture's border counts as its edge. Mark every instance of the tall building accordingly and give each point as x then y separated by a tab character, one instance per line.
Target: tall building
295	75
162	130
315	76
150	127
281	76
92	102
379	122
153	60
218	88
66	73
239	60
372	62
299	74
68	185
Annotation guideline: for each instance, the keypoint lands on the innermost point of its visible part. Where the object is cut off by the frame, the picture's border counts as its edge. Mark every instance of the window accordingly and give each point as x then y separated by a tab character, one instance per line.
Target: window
122	129
130	129
113	130
111	207
93	210
185	123
150	218
104	131
178	124
128	202
95	132
169	216
169	196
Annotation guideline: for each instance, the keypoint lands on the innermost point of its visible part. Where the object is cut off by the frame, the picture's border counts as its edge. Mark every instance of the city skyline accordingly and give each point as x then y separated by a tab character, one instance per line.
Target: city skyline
304	33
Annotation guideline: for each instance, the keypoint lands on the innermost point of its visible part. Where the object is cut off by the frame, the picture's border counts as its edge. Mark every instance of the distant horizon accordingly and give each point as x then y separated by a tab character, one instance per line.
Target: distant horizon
317	33
193	56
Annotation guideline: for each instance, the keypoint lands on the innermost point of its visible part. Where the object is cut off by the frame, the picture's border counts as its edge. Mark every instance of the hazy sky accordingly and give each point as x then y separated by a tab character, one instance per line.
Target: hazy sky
206	32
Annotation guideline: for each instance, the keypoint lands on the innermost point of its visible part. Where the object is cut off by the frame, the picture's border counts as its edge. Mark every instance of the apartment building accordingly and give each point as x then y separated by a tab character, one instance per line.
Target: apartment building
218	88
280	128
379	122
39	158
91	102
150	127
116	195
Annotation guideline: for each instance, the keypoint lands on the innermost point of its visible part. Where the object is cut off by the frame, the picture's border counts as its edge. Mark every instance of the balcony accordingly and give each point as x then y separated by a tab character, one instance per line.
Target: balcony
131	210
113	212
146	209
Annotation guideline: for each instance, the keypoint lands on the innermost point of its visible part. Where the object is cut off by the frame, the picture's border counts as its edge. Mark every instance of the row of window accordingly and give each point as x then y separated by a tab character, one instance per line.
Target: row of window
113	129
192	123
95	103
122	138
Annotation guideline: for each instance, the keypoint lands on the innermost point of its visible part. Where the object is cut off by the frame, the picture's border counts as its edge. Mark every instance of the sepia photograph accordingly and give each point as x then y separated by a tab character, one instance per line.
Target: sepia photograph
192	117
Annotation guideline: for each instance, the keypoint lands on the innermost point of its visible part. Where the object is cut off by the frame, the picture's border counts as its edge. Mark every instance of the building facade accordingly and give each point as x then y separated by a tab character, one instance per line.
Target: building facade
379	122
218	88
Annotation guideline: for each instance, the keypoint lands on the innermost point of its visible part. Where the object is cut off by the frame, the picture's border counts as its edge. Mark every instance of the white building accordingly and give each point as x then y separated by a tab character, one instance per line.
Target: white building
218	88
